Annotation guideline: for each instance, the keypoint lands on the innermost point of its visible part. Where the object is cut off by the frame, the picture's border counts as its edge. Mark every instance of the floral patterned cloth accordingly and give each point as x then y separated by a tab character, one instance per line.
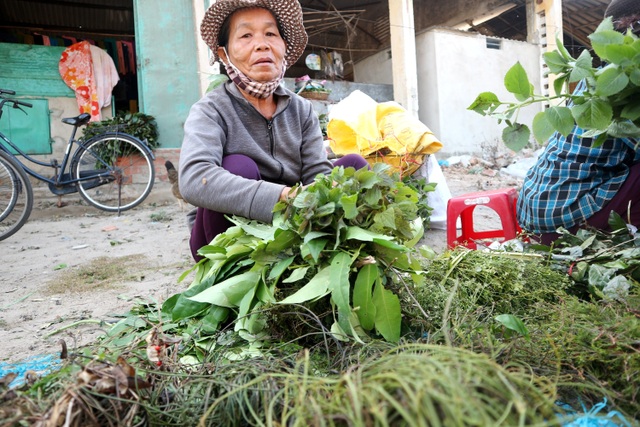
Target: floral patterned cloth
76	69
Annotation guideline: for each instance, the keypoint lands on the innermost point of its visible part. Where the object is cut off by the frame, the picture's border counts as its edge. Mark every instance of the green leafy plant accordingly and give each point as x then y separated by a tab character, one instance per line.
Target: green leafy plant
140	125
608	107
335	245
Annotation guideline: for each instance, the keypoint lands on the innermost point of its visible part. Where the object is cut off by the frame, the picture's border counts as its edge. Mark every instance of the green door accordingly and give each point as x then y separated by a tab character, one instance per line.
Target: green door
29	130
167	64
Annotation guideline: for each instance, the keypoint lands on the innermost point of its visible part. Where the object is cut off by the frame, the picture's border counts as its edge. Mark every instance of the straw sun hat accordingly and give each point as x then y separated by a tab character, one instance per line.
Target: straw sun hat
625	14
622	8
288	13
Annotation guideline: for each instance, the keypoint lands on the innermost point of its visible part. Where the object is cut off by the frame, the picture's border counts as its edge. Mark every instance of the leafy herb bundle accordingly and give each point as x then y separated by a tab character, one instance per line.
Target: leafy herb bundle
140	125
608	107
338	240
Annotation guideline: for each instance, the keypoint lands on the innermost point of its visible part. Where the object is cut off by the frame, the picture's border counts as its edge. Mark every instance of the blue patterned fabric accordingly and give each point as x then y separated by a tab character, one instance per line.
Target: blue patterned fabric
572	179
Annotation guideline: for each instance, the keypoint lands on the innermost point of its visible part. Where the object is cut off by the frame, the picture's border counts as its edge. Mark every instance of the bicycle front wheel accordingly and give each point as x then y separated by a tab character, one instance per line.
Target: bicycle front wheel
115	171
16	196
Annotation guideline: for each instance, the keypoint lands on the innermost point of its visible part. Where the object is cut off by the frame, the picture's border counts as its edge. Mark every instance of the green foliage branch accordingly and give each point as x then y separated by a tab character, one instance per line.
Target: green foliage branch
609	106
142	126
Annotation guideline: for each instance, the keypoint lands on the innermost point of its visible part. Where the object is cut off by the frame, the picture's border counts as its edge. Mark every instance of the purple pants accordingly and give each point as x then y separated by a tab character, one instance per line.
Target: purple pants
209	224
626	203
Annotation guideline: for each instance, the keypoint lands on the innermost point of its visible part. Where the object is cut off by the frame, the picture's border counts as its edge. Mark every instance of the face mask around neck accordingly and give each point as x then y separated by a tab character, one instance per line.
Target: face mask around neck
256	89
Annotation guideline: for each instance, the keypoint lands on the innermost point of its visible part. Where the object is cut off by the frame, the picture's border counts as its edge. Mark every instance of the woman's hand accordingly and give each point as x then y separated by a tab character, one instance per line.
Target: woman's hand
289	193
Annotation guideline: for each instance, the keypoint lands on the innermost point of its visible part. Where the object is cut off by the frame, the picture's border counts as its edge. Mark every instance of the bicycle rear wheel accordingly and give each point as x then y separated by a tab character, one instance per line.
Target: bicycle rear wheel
16	196
116	171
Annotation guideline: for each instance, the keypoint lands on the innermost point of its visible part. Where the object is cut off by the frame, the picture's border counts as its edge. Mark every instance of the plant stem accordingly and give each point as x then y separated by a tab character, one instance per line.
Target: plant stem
74	324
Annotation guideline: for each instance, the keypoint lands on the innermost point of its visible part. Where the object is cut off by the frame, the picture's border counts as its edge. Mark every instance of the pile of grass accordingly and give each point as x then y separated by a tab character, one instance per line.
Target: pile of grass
457	363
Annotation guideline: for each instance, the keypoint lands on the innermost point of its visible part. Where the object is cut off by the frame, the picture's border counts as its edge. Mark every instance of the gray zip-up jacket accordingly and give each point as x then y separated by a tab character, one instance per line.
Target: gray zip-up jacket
288	150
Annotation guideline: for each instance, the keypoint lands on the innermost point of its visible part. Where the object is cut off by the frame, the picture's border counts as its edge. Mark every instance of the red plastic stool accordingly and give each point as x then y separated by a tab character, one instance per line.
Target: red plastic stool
502	201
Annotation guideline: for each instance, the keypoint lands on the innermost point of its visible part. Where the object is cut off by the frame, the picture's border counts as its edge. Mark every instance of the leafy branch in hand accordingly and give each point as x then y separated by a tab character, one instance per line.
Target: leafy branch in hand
608	107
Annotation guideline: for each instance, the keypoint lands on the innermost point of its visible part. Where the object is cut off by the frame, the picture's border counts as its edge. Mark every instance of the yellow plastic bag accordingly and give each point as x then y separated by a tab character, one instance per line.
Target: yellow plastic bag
386	132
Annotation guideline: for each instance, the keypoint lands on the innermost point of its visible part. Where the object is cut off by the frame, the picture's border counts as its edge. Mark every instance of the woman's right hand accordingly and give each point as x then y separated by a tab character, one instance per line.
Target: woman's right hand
287	192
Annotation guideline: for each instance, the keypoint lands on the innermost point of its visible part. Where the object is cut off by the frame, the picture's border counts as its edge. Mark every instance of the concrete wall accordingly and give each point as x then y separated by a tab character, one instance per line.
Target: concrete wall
340	90
453	68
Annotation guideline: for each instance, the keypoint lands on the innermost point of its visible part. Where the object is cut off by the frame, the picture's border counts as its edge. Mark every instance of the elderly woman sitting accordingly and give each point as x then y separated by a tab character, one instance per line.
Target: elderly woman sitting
250	140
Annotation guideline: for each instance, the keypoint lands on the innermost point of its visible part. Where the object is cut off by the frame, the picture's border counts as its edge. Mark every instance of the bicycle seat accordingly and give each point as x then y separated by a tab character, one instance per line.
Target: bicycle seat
80	120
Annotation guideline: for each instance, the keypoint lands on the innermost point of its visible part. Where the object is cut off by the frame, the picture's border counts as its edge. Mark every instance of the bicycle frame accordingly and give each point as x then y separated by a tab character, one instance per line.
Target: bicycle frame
59	179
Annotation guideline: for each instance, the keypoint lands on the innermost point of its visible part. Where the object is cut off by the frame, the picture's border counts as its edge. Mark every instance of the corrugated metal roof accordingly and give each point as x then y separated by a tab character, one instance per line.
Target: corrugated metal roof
90	17
355	27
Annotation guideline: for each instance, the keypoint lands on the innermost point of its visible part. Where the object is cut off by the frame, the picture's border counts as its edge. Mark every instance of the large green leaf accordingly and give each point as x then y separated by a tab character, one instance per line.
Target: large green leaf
349	205
603	37
317	287
185	308
181	307
612	81
517	82
279	268
340	287
621	54
485	103
372	196
386	218
388	313
542	127
363	296
254	228
555	61
216	315
247	302
516	136
367	178
595	113
358	233
561	119
624	129
514	323
229	293
297	274
313	248
563	50
631	111
283	240
583	67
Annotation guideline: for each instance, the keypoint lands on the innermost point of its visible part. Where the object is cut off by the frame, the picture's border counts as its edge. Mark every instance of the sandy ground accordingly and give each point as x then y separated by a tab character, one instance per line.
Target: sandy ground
70	270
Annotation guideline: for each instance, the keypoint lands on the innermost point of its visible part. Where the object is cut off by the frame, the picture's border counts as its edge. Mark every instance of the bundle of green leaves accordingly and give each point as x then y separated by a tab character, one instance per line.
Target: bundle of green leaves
335	244
608	107
140	125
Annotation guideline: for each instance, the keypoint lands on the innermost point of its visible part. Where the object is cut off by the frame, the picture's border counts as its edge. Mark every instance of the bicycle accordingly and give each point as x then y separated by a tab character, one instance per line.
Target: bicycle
112	171
16	196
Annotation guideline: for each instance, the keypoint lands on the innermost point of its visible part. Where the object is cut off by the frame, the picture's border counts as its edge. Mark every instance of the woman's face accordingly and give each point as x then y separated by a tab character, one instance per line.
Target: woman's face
255	45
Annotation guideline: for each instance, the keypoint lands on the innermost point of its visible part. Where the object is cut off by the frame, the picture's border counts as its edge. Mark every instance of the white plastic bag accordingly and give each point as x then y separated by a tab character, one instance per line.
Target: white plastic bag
438	198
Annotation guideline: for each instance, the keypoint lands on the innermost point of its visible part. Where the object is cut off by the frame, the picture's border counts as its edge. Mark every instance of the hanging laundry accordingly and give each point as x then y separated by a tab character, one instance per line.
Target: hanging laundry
72	40
131	56
110	46
123	65
105	73
76	69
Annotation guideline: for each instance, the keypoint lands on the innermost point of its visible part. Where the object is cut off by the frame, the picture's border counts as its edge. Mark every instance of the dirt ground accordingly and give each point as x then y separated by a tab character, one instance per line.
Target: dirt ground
70	271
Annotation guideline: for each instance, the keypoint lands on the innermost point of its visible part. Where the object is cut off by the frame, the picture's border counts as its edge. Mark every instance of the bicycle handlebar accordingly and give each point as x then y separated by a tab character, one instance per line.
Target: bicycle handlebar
15	102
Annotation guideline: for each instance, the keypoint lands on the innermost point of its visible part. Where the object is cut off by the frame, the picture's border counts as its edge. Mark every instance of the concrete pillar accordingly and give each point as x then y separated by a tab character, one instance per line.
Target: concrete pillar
403	51
204	69
544	27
